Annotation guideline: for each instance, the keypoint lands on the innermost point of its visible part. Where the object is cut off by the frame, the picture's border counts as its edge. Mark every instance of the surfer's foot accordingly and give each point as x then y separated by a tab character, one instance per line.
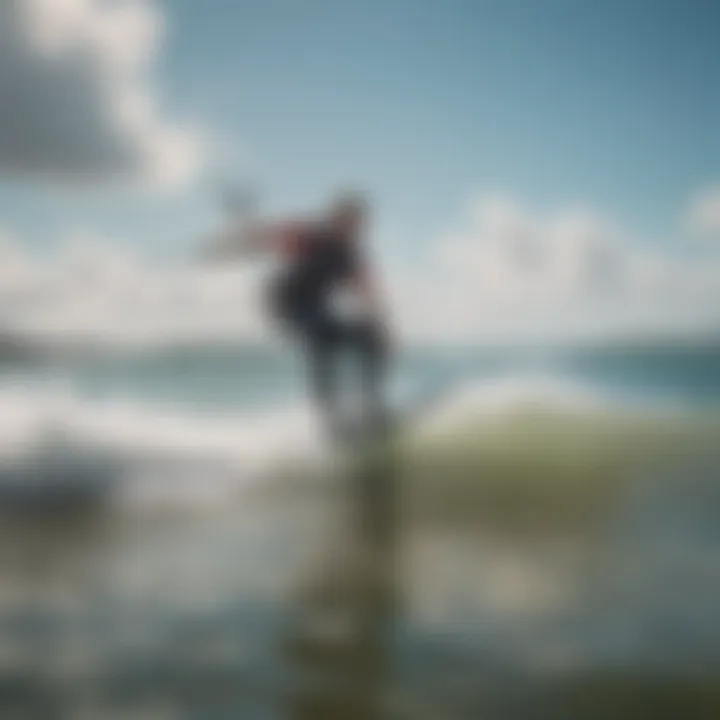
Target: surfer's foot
339	428
378	420
374	421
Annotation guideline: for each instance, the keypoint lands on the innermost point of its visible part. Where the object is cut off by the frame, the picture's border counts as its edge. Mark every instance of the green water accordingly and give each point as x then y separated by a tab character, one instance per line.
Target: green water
586	590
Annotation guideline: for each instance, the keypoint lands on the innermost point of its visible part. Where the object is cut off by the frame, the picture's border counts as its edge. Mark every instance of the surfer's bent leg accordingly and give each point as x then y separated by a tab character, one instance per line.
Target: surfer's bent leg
321	361
318	337
322	339
370	345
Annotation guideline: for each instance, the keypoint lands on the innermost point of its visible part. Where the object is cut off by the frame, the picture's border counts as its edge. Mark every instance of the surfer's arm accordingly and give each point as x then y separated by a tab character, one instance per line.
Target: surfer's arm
368	287
238	243
251	241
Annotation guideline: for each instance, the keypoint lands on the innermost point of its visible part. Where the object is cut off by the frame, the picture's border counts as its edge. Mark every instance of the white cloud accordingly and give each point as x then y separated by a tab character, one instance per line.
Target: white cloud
76	94
507	275
503	275
16	268
703	218
97	292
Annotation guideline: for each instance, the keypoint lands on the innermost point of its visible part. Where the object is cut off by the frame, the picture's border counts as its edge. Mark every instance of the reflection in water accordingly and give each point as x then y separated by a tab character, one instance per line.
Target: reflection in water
338	647
110	615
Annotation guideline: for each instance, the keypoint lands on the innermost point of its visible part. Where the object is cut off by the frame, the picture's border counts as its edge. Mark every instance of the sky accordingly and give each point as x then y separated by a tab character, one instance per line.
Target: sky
537	168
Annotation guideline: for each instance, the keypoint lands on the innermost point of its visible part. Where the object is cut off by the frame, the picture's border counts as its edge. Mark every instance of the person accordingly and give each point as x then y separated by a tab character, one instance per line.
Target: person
326	296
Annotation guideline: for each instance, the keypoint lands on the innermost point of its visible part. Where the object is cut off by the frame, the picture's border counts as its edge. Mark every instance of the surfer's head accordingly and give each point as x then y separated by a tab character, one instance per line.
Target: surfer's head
348	212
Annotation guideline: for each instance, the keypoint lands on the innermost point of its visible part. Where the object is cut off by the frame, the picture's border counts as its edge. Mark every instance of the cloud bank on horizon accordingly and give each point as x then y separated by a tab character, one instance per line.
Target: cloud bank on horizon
77	100
503	275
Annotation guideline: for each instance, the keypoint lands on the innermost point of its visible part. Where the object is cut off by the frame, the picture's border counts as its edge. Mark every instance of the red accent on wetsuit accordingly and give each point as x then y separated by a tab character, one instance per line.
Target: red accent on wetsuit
316	260
295	239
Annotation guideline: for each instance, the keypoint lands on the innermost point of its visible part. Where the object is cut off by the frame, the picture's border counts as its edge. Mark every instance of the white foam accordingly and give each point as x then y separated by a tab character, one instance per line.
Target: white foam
166	452
489	399
169	453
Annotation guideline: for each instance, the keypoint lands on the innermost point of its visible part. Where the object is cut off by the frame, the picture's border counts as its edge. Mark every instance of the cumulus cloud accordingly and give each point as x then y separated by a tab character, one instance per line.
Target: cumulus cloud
703	218
503	274
506	274
96	292
76	94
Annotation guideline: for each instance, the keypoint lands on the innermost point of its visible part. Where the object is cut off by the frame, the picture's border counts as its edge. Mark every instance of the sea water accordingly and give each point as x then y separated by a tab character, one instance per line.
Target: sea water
158	581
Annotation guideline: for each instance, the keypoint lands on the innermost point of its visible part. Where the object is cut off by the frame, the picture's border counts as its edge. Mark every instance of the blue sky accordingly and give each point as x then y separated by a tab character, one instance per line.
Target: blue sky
613	103
610	103
430	106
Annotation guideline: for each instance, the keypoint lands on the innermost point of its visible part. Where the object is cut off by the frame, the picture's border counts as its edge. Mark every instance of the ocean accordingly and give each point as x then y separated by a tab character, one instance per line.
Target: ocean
556	548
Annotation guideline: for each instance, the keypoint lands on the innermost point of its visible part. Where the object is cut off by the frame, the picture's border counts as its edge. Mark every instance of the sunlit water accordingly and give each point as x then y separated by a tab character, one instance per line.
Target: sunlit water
170	523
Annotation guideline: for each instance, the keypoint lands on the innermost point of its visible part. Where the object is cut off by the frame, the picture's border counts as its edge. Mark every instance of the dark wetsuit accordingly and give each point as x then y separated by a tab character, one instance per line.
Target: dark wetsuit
318	262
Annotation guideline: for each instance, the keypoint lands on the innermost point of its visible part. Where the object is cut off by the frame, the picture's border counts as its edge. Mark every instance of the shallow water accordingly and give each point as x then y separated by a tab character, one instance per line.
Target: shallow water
330	600
545	543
